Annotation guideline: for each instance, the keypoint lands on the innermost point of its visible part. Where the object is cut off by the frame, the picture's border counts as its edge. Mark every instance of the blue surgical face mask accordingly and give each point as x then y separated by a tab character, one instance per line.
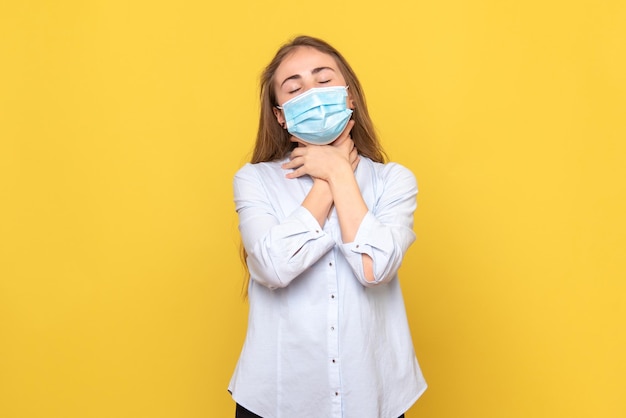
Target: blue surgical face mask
319	115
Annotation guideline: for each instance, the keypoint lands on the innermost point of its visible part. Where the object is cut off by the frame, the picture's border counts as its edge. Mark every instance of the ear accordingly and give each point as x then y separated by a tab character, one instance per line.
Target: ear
350	100
280	116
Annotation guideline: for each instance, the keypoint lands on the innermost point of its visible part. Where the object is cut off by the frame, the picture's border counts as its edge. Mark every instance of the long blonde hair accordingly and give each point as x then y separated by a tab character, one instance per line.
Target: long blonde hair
272	141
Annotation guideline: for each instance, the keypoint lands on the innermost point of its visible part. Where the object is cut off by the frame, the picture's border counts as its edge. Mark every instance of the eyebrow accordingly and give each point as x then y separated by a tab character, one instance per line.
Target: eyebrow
298	76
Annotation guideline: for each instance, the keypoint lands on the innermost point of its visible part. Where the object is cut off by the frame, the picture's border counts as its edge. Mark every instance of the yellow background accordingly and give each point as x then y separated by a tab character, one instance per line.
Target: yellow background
123	122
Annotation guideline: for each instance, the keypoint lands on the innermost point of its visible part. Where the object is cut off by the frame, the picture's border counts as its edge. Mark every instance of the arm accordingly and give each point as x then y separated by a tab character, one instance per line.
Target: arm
334	165
386	232
351	210
278	247
319	201
374	239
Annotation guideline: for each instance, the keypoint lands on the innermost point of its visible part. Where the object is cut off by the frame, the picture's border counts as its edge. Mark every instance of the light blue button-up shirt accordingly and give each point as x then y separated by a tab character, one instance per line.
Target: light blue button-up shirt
322	341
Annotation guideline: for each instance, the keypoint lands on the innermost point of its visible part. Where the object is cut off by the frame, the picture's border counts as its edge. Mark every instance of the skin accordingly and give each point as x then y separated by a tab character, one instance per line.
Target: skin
330	166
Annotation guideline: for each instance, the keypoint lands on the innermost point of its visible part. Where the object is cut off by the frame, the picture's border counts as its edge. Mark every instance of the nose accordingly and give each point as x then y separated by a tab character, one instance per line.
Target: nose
307	84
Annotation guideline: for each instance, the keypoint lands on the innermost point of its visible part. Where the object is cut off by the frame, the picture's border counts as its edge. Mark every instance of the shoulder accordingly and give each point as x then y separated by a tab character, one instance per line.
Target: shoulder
260	171
390	173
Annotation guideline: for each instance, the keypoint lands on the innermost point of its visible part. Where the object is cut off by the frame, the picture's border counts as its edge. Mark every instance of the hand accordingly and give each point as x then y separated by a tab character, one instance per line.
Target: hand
321	161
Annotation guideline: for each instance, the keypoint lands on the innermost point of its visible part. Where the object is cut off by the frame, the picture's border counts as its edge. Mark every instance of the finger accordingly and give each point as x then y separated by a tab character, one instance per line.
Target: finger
297	152
293	163
295	174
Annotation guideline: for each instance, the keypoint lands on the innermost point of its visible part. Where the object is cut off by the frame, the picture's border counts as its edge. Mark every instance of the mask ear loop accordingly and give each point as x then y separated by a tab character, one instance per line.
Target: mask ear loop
282	124
351	100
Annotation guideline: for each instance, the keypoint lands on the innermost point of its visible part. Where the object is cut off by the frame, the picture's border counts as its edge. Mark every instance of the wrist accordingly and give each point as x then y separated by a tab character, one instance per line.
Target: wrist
340	173
321	186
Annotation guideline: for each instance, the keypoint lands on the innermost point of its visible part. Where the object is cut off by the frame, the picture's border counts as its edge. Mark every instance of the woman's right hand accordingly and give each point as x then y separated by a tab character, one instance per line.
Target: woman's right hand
321	161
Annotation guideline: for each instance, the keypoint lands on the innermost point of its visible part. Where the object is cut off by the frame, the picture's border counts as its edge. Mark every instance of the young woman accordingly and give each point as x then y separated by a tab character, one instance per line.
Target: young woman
325	224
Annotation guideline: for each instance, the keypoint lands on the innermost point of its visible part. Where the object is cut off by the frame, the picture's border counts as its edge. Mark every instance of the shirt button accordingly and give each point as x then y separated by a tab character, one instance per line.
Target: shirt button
334	361
332	296
332	328
336	393
330	264
317	231
357	245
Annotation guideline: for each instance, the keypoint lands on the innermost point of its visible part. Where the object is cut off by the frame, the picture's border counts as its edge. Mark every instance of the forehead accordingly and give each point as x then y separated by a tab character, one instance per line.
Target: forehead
303	60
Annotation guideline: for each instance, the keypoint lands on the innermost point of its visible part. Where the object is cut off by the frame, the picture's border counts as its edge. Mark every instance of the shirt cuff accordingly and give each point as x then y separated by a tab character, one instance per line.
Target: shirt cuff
362	237
308	220
353	251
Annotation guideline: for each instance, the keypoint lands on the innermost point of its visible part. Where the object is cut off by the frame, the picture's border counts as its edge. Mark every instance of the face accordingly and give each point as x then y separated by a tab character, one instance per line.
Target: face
305	68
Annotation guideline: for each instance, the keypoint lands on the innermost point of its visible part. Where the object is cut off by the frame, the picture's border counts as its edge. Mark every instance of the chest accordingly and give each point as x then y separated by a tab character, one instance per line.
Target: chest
286	195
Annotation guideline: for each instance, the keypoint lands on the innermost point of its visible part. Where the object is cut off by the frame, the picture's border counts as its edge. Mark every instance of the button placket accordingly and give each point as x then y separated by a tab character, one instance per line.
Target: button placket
333	336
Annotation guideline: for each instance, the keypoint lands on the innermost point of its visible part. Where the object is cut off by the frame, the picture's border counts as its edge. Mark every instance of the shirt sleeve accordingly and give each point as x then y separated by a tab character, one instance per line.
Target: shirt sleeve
278	250
386	232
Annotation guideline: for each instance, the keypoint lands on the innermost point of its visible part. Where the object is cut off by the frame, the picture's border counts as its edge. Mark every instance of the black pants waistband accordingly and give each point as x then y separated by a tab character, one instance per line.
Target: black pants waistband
242	412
